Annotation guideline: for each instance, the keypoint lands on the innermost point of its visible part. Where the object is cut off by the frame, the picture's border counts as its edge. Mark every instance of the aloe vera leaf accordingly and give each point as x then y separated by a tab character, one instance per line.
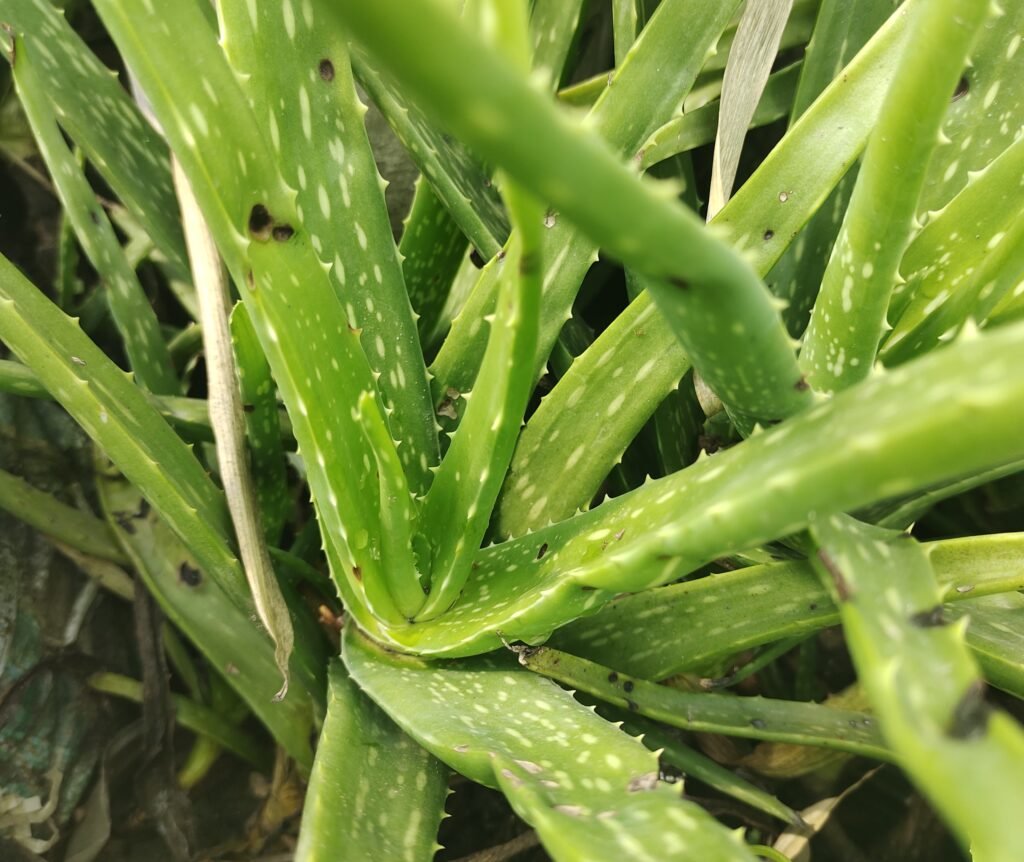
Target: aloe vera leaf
456	177
1001	273
59	521
18	379
483	444
714	300
116	414
979	124
625	24
697	128
623	117
263	425
688	626
696	764
373	793
848	320
894	433
432	247
747	717
307	101
941	266
99	115
538	754
582	428
238	650
552	28
923	684
750	62
191	715
844	117
319	365
842	28
228	420
996	638
136	321
397	517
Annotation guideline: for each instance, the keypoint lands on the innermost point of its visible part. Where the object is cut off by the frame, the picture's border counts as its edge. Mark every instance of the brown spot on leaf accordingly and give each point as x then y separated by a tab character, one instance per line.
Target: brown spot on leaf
283	232
542	550
357	573
838	579
963	87
260	223
640	783
190	576
931	618
326	70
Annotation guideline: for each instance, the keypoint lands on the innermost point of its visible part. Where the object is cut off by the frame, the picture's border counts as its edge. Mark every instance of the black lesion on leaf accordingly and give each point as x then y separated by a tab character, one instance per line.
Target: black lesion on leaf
628	686
190	576
613	677
124	521
357	573
477	259
678	281
529	263
970	717
283	232
769	234
260	222
326	70
542	550
931	618
802	385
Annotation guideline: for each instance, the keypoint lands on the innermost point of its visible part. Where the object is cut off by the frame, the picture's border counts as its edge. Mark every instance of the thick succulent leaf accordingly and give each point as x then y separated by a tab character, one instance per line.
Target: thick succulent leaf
714	300
750	62
843	117
118	416
236	648
968	760
585	424
842	28
306	104
849	316
374	793
552	29
949	414
136	321
995	634
979	124
432	248
98	114
690	626
590	790
748	717
946	266
649	87
314	350
263	425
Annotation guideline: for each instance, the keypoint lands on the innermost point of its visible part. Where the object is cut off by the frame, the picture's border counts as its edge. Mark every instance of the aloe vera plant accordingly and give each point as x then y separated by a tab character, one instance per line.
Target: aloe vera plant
472	450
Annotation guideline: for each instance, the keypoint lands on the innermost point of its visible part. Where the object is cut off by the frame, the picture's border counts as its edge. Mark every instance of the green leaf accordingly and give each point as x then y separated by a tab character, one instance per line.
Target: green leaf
373	794
236	648
590	790
306	104
101	118
136	321
116	414
967	759
747	717
995	635
849	316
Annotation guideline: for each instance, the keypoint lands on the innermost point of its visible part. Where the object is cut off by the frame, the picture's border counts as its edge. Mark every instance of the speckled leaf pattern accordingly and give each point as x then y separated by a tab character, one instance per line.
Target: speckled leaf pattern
946	266
690	626
240	651
967	758
887	437
585	424
591	791
805	181
850	313
136	321
840	31
749	717
552	28
432	247
374	794
648	88
300	319
116	414
306	104
101	118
